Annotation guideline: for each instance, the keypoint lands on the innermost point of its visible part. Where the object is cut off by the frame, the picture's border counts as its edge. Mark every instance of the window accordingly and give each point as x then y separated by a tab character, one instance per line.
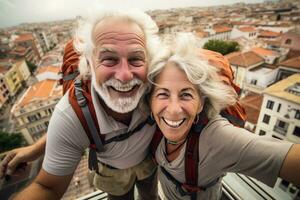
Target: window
32	118
270	104
297	114
297	131
278	108
288	41
253	82
284	184
294	89
274	136
262	132
281	127
266	119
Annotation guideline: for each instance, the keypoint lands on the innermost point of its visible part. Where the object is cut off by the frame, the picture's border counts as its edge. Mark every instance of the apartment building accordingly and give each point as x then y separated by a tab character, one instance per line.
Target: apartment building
280	111
4	93
288	67
28	40
33	110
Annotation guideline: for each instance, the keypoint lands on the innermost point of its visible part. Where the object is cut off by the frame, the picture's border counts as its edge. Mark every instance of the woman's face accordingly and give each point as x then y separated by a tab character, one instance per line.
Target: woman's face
175	102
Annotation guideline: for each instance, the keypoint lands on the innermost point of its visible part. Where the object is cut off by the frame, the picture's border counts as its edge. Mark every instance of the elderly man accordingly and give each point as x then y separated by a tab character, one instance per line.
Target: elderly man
116	48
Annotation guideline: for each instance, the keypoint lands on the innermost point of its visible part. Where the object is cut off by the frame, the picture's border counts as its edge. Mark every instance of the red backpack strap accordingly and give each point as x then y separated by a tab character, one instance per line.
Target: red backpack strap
191	163
81	101
155	142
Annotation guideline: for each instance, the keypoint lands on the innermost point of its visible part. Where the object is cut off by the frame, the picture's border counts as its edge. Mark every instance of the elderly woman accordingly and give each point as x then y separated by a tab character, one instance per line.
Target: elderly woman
185	88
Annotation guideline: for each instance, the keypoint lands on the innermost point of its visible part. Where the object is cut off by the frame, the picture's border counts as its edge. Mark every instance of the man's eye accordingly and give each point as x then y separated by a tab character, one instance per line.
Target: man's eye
136	61
109	61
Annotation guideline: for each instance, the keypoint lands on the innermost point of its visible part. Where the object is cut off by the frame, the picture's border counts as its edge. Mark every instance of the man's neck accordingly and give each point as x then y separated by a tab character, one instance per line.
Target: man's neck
124	118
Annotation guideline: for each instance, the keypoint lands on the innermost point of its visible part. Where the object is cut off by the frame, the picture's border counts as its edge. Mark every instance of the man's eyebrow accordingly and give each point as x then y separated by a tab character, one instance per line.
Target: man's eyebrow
106	50
138	51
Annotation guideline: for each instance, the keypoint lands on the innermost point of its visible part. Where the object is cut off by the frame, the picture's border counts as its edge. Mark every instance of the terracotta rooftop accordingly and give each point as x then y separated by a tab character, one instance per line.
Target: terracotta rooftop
281	89
246	59
267	33
263	52
222	29
3	70
48	69
252	104
247	29
292	63
202	34
41	91
24	37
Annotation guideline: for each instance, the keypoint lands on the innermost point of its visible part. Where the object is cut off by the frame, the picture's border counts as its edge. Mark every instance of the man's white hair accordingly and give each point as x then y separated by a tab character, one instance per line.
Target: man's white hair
185	54
83	42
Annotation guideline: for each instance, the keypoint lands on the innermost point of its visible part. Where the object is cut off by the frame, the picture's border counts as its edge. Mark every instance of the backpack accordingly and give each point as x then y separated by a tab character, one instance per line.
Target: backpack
235	115
80	99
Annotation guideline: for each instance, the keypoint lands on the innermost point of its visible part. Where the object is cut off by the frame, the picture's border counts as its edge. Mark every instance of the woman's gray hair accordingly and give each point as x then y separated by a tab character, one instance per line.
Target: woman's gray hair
83	34
186	55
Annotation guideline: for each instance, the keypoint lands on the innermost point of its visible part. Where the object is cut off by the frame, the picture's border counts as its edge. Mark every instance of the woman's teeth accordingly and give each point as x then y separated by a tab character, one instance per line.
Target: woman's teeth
173	124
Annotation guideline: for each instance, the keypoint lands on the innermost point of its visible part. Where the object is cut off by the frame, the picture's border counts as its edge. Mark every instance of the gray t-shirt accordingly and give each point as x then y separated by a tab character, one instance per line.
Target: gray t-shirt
225	148
67	140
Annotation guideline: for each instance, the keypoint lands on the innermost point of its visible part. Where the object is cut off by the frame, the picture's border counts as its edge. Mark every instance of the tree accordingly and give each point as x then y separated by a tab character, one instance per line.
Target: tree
9	141
31	66
223	47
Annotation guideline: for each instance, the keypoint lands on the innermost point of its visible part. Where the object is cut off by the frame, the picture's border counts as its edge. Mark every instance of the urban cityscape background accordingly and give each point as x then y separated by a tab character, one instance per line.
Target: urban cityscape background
260	40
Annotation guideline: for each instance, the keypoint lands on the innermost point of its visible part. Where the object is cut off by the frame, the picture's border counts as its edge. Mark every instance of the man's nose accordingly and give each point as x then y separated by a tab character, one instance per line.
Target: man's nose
124	73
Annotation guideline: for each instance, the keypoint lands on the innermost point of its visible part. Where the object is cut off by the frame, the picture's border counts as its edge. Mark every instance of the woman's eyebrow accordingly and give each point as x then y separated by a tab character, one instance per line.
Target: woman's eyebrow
188	89
157	88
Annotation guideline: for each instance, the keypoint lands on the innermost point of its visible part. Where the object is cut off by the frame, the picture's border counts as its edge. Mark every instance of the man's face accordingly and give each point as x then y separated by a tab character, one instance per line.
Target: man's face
119	64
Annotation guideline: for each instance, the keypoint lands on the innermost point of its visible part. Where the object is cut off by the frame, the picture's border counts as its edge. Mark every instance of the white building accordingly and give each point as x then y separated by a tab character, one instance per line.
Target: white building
49	72
280	112
241	63
248	32
259	78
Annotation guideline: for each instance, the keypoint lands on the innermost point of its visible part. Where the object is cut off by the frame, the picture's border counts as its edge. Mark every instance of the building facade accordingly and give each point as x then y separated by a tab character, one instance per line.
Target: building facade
33	110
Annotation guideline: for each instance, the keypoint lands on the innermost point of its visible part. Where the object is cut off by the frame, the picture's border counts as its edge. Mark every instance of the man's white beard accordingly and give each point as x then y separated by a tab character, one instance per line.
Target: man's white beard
120	105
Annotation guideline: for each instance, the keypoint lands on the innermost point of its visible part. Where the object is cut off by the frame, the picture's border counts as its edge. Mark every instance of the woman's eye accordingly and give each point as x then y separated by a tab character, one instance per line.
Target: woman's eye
162	95
187	96
136	61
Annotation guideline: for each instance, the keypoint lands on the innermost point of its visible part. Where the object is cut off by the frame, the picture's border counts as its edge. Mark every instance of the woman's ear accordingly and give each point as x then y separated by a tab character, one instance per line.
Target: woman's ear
202	102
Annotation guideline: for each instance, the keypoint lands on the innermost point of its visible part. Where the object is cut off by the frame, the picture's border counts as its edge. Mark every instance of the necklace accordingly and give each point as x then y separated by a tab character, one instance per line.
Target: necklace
175	142
174	150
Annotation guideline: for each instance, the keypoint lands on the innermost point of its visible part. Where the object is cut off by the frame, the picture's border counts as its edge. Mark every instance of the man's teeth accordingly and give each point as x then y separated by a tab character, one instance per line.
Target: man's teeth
123	89
173	124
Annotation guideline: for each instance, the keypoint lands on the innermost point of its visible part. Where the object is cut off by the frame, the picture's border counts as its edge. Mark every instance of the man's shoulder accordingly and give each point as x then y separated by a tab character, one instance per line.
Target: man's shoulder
64	103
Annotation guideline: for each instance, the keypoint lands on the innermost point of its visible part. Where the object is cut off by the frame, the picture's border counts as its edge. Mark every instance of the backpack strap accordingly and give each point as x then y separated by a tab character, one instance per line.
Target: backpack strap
155	142
126	135
191	164
233	119
190	187
81	102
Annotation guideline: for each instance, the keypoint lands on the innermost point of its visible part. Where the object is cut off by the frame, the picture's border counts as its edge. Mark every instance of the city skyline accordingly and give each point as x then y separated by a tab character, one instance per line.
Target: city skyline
13	12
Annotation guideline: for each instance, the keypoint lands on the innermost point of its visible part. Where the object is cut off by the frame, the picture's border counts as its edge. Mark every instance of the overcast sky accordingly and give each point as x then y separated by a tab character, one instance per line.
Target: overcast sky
13	12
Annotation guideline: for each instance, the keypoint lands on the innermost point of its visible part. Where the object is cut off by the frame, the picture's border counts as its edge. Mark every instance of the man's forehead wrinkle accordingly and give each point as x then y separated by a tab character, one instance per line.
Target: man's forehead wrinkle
119	37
